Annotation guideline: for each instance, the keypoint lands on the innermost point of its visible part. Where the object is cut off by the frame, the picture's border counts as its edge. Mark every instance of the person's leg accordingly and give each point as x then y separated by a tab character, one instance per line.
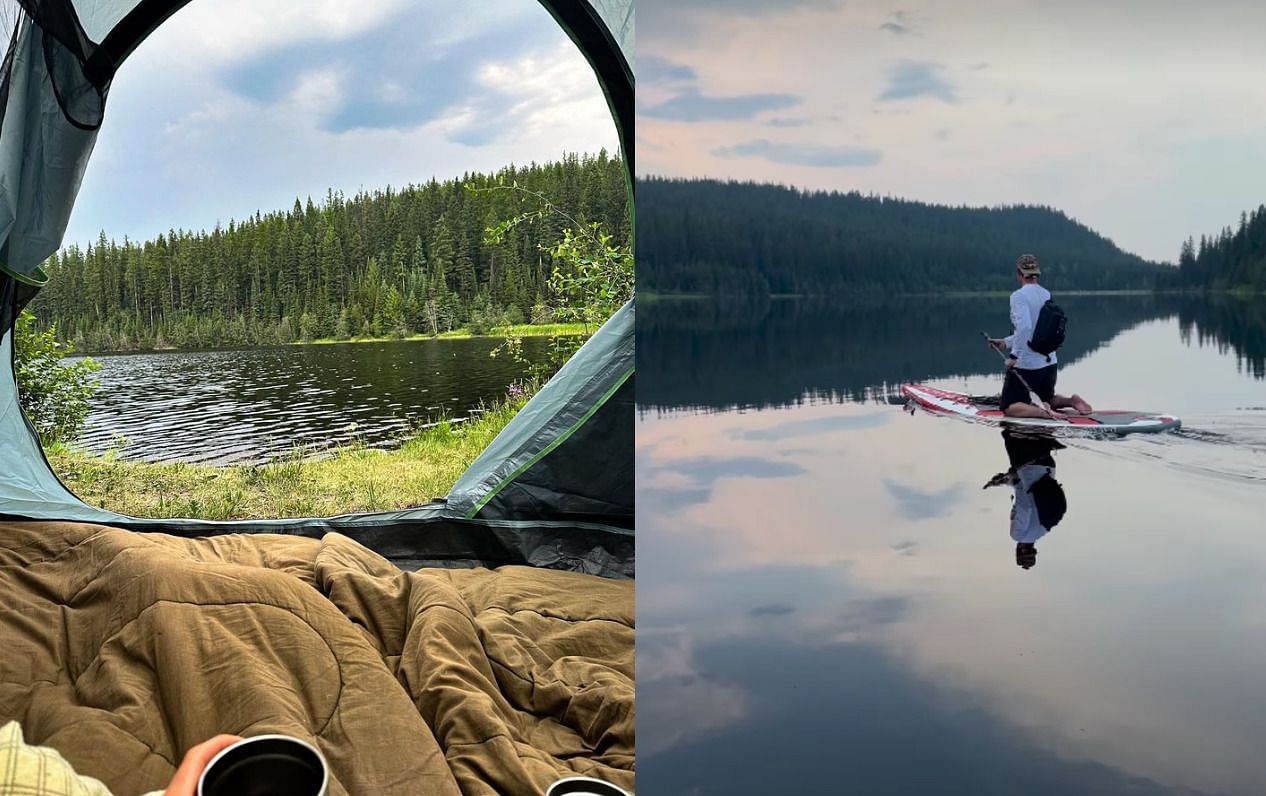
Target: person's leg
1043	383
1014	400
1021	404
1074	402
1025	410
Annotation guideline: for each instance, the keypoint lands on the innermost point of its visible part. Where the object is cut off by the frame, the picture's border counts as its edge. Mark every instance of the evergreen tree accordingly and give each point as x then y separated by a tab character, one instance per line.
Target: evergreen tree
303	273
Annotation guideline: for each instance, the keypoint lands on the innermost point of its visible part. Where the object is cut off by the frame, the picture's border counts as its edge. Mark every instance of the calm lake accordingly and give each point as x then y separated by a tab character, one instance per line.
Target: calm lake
250	405
829	600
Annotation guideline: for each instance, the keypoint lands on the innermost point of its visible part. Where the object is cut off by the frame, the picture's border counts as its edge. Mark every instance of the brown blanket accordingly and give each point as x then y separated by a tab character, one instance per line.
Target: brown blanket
121	650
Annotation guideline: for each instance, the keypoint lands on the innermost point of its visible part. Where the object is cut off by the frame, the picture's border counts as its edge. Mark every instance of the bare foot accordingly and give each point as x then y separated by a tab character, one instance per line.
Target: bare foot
1080	405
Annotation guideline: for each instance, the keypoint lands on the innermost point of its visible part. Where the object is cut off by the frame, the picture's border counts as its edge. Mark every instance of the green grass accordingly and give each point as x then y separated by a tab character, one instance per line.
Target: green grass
522	330
353	479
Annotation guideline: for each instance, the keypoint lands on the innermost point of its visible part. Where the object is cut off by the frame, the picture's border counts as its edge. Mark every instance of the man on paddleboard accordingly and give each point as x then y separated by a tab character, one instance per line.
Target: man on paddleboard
1027	369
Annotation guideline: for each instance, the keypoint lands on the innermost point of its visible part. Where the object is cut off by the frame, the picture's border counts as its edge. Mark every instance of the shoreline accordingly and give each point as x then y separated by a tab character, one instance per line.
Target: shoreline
352	479
519	330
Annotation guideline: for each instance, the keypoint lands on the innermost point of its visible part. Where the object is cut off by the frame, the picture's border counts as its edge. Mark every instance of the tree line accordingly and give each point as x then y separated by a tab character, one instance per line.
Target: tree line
1231	260
390	262
710	236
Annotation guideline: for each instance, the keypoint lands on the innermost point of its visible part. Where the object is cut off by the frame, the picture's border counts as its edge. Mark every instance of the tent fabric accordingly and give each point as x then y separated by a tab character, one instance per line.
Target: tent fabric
506	480
439	682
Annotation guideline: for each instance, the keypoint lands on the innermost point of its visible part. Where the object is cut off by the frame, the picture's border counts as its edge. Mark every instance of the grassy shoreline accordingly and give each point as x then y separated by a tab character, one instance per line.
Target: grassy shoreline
518	330
353	479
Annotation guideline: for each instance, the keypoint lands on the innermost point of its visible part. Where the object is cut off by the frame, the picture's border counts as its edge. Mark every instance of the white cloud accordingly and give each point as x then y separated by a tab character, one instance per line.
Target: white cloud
212	34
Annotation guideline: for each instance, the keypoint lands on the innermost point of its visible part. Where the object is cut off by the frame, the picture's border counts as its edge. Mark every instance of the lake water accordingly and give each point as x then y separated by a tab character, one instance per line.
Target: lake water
829	601
250	405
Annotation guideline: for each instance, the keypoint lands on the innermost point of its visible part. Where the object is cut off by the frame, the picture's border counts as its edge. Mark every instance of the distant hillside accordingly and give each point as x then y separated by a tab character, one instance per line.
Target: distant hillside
726	237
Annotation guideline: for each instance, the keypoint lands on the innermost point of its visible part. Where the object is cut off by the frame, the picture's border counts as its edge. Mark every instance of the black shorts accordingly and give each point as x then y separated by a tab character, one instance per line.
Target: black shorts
1041	381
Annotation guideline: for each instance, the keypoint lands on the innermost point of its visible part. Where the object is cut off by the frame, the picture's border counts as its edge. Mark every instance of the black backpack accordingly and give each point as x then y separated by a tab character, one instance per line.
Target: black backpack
1049	500
1048	332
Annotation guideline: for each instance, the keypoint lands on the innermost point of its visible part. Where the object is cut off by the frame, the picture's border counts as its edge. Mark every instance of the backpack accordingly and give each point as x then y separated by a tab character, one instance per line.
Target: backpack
1049	500
1048	332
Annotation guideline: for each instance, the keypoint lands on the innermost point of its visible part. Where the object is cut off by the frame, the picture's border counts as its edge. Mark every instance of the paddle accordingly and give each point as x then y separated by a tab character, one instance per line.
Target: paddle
1032	393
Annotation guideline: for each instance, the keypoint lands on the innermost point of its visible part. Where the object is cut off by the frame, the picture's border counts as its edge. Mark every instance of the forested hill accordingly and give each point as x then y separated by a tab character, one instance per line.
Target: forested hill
1231	260
727	237
394	261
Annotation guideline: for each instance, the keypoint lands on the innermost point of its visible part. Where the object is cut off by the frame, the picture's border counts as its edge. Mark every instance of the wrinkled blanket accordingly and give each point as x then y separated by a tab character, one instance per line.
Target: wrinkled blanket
121	650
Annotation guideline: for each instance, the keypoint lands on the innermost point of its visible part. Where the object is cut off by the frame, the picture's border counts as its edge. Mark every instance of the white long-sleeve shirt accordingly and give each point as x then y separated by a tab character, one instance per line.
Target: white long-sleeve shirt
1026	303
1025	525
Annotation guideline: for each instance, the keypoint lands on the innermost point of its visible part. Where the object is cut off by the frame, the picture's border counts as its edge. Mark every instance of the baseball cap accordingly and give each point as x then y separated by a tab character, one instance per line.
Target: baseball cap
1027	265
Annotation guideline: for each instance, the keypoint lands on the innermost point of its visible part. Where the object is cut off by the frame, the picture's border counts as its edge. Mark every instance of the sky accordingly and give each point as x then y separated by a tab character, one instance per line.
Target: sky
235	106
1145	120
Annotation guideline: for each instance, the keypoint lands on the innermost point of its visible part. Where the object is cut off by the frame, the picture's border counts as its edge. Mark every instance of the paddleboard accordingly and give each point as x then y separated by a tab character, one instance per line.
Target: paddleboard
1109	421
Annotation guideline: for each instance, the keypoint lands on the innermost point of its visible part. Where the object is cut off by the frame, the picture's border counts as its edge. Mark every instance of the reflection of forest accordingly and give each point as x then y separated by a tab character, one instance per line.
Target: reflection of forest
1230	323
774	353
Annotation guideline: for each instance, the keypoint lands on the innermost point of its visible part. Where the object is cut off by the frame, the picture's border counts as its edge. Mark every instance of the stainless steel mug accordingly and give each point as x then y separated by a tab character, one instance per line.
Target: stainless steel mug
266	765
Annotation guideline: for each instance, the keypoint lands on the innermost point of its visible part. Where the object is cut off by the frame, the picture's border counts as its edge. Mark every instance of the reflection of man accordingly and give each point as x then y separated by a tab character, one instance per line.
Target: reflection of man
1039	502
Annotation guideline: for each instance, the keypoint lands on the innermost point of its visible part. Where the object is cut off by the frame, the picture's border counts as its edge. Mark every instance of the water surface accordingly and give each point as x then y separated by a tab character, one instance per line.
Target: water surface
829	601
250	405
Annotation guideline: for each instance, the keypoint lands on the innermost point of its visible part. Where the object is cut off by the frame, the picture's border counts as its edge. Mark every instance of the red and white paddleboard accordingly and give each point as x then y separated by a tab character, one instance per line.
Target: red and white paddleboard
1106	421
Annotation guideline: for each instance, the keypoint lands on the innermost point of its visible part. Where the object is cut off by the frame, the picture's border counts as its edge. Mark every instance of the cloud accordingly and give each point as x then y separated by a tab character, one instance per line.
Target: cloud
898	24
656	8
654	69
224	32
803	154
789	121
913	79
916	504
905	548
693	106
390	79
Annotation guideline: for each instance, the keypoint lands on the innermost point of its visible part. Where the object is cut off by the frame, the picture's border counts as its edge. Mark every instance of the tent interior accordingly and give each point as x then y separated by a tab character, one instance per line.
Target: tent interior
481	643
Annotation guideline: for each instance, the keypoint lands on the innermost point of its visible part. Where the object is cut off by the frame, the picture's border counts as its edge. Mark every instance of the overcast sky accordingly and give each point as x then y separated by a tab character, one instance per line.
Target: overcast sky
1144	120
237	105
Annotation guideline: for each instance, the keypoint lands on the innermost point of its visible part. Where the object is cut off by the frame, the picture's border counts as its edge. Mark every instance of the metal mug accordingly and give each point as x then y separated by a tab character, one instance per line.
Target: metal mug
584	786
266	765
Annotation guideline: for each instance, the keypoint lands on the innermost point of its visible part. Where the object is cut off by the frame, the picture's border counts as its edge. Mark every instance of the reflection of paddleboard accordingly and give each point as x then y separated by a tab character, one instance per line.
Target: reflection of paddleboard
1103	421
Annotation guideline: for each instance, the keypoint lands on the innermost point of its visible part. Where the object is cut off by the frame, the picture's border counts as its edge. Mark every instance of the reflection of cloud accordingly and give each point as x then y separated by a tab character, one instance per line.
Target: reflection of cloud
707	470
912	79
910	733
772	609
682	703
802	154
670	500
692	106
811	427
678	484
919	505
